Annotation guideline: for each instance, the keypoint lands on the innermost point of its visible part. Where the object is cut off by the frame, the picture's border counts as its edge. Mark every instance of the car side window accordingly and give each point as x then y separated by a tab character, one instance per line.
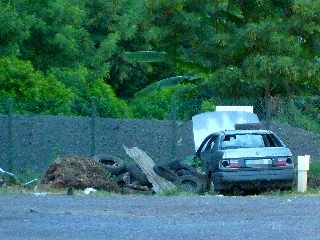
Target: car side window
273	141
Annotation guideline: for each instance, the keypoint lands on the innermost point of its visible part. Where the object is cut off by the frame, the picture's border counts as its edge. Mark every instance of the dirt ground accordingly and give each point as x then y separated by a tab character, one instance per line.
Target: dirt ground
25	216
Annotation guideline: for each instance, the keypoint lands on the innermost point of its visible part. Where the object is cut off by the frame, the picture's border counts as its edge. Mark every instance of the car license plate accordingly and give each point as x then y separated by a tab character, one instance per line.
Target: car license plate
259	162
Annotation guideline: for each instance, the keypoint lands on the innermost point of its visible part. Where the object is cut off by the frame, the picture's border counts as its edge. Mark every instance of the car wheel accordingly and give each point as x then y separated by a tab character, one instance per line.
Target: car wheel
113	164
189	183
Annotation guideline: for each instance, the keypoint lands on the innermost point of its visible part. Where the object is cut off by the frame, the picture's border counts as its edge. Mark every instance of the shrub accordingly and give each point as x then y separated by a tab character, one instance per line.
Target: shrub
155	105
31	90
160	104
314	175
107	103
86	89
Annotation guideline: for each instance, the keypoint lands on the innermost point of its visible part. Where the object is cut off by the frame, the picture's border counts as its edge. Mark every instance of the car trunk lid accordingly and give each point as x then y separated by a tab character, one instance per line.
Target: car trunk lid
256	157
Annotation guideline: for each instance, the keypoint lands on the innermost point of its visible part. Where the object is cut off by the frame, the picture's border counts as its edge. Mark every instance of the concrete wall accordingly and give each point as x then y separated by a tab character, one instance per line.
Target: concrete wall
38	140
300	141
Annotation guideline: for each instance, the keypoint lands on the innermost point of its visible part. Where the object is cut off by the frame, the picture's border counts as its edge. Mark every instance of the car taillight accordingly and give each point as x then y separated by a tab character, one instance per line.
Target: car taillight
230	164
283	162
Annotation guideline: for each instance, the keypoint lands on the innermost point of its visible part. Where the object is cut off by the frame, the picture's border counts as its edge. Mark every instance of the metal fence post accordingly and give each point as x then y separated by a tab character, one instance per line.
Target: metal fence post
268	111
10	149
291	110
174	127
93	126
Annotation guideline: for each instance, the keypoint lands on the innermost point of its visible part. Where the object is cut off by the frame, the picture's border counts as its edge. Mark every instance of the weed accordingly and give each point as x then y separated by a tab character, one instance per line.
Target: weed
314	175
176	192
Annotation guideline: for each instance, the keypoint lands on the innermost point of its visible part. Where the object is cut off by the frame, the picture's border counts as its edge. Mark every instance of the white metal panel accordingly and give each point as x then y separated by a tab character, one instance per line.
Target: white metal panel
248	109
210	122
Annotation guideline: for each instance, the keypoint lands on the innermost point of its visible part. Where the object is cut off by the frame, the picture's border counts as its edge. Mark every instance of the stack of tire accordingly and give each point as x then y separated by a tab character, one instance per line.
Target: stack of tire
129	177
132	180
185	177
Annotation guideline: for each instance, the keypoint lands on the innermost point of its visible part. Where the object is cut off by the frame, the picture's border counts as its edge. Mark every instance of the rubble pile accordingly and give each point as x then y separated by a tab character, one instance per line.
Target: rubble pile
79	173
110	173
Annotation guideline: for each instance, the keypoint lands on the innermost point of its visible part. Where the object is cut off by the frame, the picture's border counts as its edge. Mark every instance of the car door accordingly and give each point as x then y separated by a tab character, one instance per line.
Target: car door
210	155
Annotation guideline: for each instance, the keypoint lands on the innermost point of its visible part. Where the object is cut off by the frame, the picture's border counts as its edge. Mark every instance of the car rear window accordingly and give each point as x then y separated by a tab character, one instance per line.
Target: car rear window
233	141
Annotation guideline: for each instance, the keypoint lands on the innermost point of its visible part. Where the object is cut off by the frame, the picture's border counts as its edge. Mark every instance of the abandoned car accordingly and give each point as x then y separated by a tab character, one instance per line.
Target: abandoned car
246	158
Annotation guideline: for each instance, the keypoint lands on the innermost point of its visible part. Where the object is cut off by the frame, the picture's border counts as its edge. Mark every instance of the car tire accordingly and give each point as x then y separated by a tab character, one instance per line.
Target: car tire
181	169
123	179
190	183
112	164
138	175
166	173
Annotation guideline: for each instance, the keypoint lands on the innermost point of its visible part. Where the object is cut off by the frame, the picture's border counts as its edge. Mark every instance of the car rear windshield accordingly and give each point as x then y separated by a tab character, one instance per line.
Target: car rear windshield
233	141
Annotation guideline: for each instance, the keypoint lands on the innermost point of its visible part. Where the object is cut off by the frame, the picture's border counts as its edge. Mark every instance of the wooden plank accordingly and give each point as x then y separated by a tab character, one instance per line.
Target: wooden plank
146	164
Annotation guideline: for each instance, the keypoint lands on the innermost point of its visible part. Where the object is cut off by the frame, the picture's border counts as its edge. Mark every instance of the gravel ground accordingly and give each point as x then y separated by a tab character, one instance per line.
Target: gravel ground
144	217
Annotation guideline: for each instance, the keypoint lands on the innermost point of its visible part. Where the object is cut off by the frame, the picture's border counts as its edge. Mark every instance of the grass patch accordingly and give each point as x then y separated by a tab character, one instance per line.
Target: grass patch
27	176
12	189
314	175
177	192
315	168
313	183
293	193
100	194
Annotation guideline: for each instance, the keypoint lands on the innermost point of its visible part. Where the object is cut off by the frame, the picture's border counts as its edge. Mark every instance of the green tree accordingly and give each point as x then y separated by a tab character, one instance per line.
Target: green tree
117	48
32	90
85	91
58	37
14	29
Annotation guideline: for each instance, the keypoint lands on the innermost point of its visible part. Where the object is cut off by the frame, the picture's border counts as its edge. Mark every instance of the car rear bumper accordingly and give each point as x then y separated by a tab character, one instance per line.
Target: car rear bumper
253	178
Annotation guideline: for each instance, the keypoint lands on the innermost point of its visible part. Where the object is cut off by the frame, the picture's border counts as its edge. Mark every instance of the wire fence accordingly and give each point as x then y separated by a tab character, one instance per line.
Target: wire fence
30	141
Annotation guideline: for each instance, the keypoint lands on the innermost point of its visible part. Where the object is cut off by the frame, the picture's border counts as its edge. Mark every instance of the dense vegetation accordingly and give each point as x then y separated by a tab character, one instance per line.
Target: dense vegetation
57	56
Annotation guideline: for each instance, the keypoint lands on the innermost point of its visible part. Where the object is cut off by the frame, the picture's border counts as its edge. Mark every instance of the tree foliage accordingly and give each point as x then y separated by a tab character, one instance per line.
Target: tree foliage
32	90
112	49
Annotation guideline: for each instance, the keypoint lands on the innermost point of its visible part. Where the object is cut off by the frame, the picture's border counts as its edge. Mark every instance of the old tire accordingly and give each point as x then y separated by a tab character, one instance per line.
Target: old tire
184	171
137	175
112	164
123	179
190	183
181	169
166	173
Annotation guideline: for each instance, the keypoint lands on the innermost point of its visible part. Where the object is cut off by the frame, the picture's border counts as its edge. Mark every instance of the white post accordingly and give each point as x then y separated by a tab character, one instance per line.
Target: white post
303	168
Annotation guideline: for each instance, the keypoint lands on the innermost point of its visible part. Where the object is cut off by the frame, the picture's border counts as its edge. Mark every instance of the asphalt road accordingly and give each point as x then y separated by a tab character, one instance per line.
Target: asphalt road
145	217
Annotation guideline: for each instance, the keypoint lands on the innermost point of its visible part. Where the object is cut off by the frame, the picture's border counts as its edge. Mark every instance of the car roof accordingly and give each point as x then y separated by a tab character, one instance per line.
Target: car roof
232	132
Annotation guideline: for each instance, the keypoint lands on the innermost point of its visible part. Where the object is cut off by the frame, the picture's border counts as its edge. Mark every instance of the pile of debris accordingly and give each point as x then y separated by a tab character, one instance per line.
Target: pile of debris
102	172
129	177
110	173
79	173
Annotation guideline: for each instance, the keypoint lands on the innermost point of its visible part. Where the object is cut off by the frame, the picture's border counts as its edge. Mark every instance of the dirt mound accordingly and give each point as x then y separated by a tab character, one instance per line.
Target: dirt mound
79	173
